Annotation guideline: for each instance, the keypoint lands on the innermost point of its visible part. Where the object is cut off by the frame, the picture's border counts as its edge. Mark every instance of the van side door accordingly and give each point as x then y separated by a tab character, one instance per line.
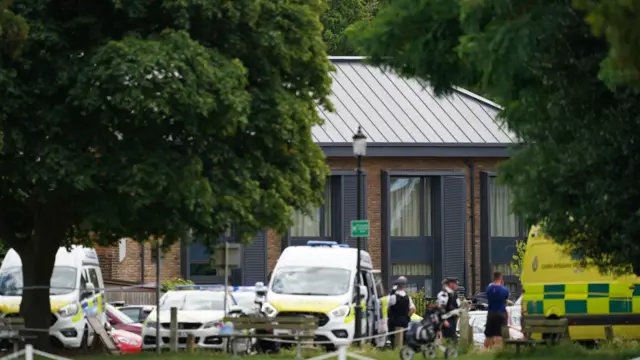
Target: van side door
98	298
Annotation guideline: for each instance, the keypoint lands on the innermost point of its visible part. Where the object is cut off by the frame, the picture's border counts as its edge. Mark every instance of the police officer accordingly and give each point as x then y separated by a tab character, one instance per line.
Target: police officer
401	279
401	308
448	300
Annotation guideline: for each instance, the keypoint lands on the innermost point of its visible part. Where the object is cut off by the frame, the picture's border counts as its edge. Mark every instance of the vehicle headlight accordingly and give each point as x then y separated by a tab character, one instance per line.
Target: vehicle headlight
212	324
339	312
269	309
151	324
124	340
68	310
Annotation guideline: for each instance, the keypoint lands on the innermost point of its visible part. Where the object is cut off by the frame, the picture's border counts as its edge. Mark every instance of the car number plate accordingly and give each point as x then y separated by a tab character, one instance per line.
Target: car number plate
183	333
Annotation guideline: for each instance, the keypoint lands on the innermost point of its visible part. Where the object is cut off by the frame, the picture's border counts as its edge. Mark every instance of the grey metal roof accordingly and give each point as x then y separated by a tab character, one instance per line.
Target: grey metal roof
392	109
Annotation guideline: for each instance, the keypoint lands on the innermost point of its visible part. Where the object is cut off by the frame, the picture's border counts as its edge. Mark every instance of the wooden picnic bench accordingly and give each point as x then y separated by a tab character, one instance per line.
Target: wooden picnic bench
299	327
552	330
12	330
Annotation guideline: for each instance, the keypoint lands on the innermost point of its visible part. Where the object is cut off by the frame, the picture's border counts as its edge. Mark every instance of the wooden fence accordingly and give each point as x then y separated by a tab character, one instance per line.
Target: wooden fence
132	297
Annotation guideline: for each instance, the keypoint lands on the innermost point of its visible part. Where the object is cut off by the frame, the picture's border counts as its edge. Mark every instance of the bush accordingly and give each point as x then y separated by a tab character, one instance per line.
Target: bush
170	284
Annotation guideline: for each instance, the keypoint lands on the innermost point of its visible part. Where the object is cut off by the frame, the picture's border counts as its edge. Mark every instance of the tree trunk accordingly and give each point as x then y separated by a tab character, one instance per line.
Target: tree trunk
37	266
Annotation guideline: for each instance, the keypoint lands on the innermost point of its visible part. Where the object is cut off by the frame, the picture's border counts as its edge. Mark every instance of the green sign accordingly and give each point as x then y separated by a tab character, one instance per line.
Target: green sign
360	228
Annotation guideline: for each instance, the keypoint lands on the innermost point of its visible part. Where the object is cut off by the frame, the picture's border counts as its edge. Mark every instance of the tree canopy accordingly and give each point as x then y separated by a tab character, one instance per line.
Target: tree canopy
148	119
577	165
339	16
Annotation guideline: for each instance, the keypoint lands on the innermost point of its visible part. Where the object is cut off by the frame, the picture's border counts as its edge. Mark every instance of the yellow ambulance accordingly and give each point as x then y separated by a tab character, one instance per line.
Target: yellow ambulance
555	285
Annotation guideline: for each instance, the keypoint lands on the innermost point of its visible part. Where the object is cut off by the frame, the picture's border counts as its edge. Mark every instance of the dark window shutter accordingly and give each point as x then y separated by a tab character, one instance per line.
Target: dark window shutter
255	260
349	201
454	231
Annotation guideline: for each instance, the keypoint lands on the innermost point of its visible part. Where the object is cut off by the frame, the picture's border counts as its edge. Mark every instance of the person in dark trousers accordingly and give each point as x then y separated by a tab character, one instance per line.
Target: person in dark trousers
497	295
449	301
401	308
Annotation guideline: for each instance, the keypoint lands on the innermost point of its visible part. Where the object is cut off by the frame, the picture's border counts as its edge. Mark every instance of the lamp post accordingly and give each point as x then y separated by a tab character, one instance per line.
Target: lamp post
359	150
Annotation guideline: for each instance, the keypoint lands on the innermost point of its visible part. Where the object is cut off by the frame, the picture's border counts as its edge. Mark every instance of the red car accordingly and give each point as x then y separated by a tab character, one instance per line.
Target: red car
127	342
120	321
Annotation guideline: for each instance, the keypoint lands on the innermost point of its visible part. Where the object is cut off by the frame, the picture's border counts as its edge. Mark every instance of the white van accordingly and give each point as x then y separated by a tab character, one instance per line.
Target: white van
77	289
320	279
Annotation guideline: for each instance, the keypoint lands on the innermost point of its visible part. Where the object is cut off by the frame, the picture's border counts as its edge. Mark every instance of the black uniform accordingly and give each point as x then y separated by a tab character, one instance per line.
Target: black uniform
450	304
399	314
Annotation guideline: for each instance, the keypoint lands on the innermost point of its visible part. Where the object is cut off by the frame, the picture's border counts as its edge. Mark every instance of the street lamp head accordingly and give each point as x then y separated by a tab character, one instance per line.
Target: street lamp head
359	143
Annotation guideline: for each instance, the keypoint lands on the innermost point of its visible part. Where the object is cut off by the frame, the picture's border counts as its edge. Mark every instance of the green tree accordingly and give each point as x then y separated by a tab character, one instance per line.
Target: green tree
577	166
148	119
339	16
617	20
13	31
517	259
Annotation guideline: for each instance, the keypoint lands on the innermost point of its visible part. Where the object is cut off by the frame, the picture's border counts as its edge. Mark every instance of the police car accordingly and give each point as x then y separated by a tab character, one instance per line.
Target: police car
200	313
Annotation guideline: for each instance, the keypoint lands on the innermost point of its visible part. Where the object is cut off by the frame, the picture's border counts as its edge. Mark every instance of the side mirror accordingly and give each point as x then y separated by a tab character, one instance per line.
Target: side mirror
108	326
89	290
235	309
364	293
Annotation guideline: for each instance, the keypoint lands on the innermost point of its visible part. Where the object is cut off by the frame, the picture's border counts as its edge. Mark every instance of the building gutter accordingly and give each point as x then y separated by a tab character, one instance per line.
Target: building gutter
472	194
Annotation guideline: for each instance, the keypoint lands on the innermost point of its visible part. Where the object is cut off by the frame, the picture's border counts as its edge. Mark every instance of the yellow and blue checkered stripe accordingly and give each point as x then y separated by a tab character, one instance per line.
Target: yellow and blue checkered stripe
582	299
93	306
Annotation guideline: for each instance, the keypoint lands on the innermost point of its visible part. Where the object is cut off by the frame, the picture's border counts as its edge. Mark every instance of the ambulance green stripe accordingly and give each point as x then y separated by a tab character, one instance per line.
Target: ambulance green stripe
598	290
575	306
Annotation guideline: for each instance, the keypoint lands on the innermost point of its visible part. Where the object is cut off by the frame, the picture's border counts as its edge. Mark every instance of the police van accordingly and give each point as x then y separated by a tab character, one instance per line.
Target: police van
320	279
76	290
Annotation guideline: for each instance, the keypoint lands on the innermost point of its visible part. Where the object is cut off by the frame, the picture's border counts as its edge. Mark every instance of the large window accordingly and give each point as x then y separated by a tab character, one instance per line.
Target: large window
411	269
318	223
419	275
503	222
410	205
504	268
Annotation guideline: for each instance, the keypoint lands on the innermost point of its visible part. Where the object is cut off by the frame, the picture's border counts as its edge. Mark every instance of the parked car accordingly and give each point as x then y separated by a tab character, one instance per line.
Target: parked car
478	321
121	321
126	341
137	313
199	312
514	313
246	300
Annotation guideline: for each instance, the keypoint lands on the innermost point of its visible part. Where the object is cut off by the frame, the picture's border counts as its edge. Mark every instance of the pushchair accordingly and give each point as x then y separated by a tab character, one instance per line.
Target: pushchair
424	336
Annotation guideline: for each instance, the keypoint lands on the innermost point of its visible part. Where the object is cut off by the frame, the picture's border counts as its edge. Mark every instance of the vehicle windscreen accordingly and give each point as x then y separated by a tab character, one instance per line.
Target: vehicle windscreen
124	318
311	281
63	280
194	301
245	300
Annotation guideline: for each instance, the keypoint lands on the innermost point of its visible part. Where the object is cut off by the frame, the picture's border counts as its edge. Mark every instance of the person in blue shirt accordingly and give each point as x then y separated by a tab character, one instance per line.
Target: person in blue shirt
497	296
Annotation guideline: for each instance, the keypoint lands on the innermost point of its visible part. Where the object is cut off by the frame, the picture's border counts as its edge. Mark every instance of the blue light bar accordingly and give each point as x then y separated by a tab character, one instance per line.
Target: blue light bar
212	287
343	245
321	243
244	288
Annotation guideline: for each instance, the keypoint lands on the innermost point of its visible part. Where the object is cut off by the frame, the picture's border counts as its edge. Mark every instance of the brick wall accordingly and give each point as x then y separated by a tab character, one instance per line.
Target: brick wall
129	268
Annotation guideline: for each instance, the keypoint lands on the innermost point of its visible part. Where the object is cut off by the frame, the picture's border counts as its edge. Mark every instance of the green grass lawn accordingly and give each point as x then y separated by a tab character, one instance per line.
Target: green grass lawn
612	351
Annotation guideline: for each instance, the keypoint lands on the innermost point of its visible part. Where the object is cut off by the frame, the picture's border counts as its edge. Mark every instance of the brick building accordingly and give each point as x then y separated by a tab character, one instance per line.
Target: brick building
429	190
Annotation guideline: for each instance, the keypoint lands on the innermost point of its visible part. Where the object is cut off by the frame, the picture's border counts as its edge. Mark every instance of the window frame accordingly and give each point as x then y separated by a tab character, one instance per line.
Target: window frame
518	219
328	195
229	236
507	241
426	207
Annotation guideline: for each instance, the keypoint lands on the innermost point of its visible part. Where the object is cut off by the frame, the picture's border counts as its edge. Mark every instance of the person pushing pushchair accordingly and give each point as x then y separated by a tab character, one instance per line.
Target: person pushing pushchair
424	336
